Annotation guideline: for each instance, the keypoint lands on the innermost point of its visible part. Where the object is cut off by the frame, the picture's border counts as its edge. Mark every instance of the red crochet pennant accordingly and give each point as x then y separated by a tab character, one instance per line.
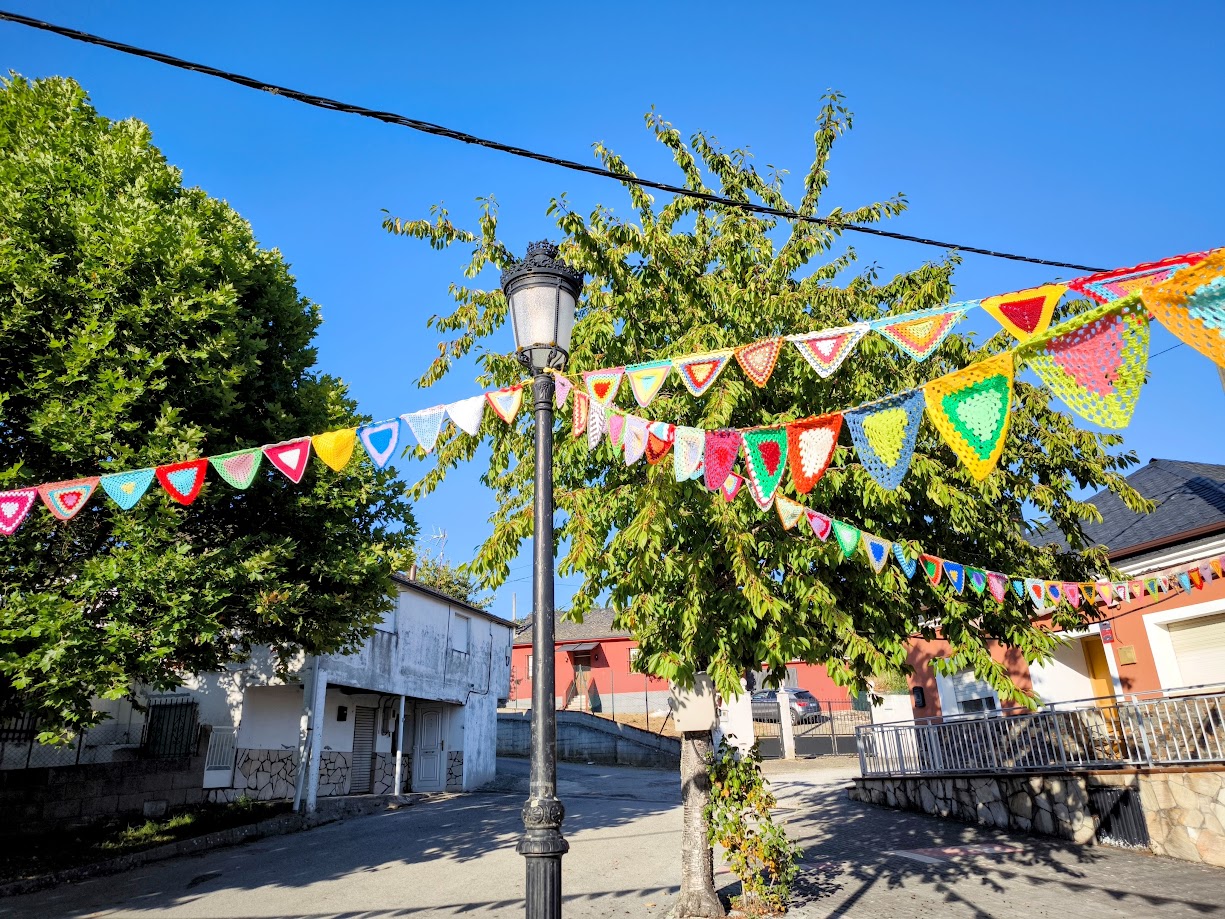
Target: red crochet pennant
722	448
758	359
731	487
659	441
1025	313
821	525
65	499
932	566
290	457
810	446
1123	282
183	481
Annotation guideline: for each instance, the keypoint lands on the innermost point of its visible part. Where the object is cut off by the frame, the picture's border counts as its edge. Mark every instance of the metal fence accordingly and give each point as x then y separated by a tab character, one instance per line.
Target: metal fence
831	732
1089	734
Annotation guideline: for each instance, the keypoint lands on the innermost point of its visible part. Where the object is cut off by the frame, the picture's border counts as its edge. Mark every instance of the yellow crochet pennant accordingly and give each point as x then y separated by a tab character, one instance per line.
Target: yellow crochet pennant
970	409
335	447
1025	313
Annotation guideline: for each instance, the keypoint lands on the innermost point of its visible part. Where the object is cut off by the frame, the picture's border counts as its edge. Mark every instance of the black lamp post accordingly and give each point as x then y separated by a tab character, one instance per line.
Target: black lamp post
542	291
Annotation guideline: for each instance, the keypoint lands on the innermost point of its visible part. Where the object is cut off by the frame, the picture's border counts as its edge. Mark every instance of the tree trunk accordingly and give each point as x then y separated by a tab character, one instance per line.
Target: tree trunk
697	897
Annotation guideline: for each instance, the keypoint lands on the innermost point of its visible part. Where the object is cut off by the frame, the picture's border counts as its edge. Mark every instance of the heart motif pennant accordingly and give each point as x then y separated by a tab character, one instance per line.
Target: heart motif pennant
765	450
126	488
238	468
722	448
699	371
689	446
1025	313
184	480
65	499
920	334
758	359
506	402
810	446
14	506
884	435
602	385
970	409
380	441
335	448
826	350
646	380
290	457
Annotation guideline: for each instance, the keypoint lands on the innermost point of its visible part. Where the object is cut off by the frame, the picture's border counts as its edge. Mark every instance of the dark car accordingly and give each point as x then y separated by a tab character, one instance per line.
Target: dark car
805	709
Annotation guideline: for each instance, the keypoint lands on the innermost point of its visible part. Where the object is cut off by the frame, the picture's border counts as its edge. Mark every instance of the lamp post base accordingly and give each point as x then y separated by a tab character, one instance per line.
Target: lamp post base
542	846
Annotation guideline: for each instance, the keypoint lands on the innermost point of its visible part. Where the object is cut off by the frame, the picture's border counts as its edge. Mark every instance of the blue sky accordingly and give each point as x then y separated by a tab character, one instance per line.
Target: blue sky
1085	132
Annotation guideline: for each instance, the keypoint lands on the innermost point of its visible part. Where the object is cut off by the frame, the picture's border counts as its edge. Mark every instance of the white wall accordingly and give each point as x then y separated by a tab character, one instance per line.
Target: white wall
1065	676
270	718
479	736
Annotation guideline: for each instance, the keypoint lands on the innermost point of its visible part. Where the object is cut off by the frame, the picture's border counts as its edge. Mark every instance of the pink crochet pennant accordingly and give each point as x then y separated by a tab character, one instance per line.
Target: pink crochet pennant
821	525
731	487
65	499
561	389
290	457
14	506
722	448
616	427
998	585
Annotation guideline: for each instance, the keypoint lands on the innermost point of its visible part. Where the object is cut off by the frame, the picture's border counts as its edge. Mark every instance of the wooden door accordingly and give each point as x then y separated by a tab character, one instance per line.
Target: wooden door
1100	680
361	770
429	760
582	675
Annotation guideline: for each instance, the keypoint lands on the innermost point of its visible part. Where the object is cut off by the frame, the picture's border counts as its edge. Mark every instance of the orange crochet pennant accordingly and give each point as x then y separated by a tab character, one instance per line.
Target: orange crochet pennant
810	445
758	359
1025	313
1191	304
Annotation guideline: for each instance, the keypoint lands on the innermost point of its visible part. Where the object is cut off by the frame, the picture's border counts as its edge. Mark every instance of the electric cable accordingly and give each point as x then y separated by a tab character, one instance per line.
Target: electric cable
427	127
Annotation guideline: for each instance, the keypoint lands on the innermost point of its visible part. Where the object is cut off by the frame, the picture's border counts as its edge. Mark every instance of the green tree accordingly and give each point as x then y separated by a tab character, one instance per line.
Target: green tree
708	585
435	571
141	324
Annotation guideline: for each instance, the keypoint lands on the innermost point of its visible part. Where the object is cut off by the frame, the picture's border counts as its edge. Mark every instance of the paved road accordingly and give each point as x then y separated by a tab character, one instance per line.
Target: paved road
455	856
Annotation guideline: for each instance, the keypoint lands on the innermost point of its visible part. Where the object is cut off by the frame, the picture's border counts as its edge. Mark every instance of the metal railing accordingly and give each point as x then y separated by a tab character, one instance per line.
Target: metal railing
1088	734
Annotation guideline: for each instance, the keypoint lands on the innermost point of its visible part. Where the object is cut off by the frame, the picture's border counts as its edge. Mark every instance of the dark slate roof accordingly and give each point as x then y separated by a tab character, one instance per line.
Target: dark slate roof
1190	497
596	624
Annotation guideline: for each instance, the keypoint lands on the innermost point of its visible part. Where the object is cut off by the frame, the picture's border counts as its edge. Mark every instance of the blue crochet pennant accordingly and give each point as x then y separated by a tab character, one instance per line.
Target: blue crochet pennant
908	565
885	439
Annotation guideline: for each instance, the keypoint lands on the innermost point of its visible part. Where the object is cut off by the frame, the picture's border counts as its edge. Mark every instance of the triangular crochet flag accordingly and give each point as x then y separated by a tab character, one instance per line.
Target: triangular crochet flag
1105	591
884	435
646	380
616	426
955	573
468	414
1184	581
1136	588
506	402
932	566
1018	588
920	333
335	448
659	441
998	585
290	457
1055	590
758	359
765	451
1036	589
65	499
1197	579
1096	362
970	409
126	488
721	450
1191	304
1217	568
1086	591
578	418
689	444
561	389
380	441
239	467
426	425
1124	282
1025	313
908	565
789	512
826	350
821	525
731	487
1123	591
810	446
597	423
1164	582
847	536
637	430
977	579
699	371
1071	593
602	385
184	480
14	506
877	550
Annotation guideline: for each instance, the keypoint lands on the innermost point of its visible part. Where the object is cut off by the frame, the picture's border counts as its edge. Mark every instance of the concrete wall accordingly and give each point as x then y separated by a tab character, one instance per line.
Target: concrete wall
1065	676
584	738
479	743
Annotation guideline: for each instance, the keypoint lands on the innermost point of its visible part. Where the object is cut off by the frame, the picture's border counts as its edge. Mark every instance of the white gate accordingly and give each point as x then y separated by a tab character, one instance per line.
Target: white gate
219	763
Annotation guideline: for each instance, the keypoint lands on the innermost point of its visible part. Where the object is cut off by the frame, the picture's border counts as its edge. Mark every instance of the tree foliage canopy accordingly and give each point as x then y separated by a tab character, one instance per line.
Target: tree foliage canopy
141	324
705	584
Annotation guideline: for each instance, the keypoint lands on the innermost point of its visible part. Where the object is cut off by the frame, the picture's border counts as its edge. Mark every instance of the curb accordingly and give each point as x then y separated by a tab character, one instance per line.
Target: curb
218	839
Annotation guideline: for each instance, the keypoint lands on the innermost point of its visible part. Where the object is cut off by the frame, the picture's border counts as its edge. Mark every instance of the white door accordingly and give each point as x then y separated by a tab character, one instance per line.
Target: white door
1199	648
429	761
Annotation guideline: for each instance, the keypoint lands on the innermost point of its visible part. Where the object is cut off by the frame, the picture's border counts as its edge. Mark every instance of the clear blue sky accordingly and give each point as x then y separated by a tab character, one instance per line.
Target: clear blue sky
1083	132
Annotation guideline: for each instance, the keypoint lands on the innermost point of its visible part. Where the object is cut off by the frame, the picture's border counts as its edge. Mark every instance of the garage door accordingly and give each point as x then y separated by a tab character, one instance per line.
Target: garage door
1199	646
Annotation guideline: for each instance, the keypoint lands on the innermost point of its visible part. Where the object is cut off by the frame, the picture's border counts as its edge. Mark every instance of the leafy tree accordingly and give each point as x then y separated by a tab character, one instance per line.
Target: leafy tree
433	570
708	585
141	324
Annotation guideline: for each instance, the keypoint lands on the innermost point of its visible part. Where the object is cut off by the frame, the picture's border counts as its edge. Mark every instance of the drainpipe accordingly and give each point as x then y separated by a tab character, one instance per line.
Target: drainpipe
398	787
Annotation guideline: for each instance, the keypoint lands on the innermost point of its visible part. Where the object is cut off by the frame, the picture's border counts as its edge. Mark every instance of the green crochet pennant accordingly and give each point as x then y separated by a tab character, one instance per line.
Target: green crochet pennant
847	536
766	452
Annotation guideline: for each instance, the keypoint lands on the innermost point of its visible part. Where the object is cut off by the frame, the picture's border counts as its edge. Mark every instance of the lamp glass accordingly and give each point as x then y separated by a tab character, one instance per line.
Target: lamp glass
542	315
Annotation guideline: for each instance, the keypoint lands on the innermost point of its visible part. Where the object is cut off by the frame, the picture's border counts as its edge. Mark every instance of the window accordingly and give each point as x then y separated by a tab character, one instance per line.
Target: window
973	695
633	657
461	633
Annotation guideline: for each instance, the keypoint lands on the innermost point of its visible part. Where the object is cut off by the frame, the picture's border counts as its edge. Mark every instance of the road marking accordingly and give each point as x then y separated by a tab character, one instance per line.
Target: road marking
915	856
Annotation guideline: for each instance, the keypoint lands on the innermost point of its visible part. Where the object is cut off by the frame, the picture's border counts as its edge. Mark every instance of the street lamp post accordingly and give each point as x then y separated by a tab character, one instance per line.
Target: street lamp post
541	291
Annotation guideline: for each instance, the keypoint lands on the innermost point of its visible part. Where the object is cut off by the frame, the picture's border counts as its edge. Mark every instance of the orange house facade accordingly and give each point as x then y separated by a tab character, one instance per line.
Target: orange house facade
1143	646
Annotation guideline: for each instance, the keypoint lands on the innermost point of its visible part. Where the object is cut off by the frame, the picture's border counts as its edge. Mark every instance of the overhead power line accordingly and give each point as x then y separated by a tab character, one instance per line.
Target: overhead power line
427	127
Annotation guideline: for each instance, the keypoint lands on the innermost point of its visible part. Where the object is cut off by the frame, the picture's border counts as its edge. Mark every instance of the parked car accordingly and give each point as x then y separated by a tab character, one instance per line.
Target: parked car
805	709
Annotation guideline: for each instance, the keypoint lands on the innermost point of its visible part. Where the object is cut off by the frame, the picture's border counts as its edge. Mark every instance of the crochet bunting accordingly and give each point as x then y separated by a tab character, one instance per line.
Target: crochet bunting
1197	578
335	448
65	499
616	427
699	371
722	447
1054	590
970	409
380	441
810	446
1184	580
877	550
126	488
731	487
659	441
1096	362
998	585
820	524
758	359
290	457
426	425
977	579
932	566
468	414
955	574
1105	592
646	380
506	402
597	422
908	565
884	435
238	468
561	389
1037	592
14	506
689	445
1018	588
919	334
637	430
826	350
847	537
1124	282
184	480
602	385
789	512
765	451
1025	313
1136	588
1071	593
1191	304
578	418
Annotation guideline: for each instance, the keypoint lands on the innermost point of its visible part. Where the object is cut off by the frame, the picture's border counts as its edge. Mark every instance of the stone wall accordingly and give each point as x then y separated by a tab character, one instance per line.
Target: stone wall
264	775
1185	813
455	770
385	773
583	738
